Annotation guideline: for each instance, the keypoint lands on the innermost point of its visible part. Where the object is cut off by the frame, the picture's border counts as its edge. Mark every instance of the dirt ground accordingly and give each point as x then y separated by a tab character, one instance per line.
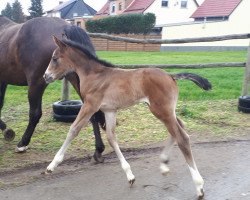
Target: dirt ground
223	164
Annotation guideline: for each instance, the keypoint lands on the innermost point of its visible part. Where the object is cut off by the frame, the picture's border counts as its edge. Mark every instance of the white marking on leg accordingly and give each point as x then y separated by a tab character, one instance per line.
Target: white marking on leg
60	154
110	118
164	157
21	149
198	180
164	168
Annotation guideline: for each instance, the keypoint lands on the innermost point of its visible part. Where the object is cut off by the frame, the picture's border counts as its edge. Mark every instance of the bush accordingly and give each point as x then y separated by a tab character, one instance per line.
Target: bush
123	24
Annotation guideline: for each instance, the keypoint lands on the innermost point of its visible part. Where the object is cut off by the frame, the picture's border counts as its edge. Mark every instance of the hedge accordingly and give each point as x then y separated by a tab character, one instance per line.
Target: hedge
123	24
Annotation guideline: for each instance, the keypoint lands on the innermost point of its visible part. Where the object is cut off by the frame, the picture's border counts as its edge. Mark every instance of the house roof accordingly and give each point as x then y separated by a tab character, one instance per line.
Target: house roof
63	5
138	6
104	10
216	8
69	8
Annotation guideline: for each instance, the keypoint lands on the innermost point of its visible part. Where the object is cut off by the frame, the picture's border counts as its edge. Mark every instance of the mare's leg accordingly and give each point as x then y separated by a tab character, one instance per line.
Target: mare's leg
9	134
110	129
99	146
3	87
35	93
81	121
175	128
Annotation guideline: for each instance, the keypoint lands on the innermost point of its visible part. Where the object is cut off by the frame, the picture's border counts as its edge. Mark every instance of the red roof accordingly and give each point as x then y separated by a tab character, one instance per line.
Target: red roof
216	8
104	10
138	6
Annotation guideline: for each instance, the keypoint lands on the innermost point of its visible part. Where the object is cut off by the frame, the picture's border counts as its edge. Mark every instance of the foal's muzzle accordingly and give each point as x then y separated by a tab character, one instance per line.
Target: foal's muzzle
48	78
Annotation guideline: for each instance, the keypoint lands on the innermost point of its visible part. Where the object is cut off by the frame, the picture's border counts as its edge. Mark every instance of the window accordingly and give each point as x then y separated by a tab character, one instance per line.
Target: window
78	24
164	3
120	6
112	8
184	4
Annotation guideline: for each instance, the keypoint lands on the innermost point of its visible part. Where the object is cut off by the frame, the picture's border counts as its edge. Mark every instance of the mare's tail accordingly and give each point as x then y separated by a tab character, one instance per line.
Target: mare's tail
198	80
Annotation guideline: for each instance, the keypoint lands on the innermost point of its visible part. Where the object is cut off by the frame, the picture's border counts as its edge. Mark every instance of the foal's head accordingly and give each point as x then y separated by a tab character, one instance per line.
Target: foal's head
60	64
67	56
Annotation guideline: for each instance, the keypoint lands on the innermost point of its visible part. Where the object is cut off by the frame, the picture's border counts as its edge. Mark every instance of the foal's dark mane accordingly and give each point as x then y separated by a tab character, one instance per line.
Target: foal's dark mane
87	52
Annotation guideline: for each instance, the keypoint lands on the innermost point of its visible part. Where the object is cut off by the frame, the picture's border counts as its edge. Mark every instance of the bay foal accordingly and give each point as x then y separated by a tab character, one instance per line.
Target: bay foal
104	87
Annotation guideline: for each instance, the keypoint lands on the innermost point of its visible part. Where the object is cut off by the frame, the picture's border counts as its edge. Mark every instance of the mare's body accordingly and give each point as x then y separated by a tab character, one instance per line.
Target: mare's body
109	89
25	52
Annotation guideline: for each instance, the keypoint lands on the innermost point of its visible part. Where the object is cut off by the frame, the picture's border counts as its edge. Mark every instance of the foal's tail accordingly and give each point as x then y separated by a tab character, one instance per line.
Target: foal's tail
198	80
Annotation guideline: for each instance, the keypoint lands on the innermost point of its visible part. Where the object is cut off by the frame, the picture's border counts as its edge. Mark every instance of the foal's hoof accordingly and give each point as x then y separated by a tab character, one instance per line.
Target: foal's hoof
46	172
201	194
21	149
9	134
131	182
164	169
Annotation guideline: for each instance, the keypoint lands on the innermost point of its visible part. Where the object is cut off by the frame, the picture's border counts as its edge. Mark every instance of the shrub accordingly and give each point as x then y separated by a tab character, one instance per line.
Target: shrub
123	24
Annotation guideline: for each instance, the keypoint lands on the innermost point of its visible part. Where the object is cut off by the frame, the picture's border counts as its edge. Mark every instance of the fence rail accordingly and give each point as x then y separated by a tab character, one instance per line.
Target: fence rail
185	66
171	41
246	81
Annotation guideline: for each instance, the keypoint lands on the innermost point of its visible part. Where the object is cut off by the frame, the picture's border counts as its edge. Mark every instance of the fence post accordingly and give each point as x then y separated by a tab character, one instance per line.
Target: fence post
246	81
65	90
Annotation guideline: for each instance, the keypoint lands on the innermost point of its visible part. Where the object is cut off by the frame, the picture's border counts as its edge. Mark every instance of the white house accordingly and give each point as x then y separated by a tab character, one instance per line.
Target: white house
172	11
166	11
213	18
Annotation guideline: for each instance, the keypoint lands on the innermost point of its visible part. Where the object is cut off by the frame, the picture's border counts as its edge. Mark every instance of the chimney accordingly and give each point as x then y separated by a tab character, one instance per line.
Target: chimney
60	2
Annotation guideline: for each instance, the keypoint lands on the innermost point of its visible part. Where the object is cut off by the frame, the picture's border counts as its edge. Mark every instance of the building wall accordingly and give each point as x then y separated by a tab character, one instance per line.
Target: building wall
173	13
237	24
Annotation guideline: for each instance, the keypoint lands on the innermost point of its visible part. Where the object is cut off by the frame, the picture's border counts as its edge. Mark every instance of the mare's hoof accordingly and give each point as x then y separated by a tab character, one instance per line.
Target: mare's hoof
9	134
201	194
97	158
131	182
21	149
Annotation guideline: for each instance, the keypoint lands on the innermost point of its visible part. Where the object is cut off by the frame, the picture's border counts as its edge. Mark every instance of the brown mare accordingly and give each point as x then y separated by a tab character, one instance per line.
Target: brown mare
109	89
25	52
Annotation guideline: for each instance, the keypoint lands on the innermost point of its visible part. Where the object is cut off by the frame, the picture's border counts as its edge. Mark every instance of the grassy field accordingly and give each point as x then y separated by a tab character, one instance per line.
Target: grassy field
210	114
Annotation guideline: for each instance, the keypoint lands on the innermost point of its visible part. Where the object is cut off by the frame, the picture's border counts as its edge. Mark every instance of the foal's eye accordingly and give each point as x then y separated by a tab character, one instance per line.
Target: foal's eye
54	59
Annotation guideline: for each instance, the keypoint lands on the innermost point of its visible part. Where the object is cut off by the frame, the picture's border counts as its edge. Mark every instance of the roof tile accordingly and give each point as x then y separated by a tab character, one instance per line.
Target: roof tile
216	8
138	6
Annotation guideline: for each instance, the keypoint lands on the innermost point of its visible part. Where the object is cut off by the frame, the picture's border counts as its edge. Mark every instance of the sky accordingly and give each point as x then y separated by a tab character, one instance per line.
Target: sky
49	4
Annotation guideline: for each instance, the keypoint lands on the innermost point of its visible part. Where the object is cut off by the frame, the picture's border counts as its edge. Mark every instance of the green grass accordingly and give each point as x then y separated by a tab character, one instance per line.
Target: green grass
172	57
227	82
208	114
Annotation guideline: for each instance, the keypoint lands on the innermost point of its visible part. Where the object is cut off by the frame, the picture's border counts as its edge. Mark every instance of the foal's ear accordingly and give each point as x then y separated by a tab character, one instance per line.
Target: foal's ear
59	43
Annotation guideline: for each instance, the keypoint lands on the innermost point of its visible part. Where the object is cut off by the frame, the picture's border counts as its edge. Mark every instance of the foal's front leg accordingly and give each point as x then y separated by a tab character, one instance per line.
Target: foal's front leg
110	130
81	121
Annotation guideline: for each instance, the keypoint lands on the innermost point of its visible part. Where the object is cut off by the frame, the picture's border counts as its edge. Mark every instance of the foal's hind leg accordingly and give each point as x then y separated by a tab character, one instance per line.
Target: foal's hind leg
175	128
110	130
164	157
183	142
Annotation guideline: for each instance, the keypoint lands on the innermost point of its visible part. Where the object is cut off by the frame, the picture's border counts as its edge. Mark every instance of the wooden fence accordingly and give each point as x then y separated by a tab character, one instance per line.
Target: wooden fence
105	44
246	82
